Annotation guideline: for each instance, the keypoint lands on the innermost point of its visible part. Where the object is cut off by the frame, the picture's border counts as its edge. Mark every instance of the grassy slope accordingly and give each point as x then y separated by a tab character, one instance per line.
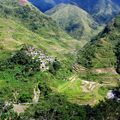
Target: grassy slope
32	19
99	56
100	53
26	24
14	33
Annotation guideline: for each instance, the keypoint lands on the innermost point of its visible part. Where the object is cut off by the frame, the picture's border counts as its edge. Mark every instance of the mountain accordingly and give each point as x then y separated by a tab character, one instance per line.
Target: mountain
26	26
102	10
39	28
47	4
37	80
103	52
37	22
74	20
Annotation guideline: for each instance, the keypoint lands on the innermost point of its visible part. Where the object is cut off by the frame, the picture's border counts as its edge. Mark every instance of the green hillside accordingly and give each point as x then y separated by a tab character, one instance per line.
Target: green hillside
15	31
37	76
26	24
31	18
102	52
75	21
13	34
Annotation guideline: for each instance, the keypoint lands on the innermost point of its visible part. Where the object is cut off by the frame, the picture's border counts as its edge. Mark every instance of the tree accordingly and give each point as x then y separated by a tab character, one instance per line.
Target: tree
25	97
117	53
43	87
54	67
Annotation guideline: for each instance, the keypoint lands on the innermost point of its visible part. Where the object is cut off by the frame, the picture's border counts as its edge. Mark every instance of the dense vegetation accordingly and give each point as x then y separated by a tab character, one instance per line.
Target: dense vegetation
117	51
61	93
101	52
56	107
16	77
29	65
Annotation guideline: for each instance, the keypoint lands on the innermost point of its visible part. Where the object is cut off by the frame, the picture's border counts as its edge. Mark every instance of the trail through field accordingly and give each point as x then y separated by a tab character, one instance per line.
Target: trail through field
20	108
36	95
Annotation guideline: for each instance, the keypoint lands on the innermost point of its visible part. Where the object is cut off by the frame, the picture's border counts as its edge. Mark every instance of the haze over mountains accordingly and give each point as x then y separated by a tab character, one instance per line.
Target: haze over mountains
101	10
82	20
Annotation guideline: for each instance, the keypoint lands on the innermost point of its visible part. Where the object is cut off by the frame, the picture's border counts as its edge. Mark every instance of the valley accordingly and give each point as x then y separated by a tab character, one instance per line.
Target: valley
59	62
75	21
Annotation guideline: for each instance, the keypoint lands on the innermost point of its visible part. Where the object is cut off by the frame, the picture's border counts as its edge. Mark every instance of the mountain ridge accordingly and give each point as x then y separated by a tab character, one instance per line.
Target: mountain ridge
110	7
75	21
39	22
96	53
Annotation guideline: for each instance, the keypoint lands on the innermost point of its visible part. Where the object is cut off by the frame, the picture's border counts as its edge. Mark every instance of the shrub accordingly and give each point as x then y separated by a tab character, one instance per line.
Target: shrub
117	53
25	97
21	58
43	87
54	67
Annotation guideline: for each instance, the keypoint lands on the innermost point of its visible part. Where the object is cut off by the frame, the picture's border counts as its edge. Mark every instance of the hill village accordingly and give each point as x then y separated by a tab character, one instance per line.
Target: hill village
39	55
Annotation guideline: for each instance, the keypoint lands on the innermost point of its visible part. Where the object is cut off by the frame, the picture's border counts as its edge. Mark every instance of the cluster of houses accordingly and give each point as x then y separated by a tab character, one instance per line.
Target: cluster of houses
40	56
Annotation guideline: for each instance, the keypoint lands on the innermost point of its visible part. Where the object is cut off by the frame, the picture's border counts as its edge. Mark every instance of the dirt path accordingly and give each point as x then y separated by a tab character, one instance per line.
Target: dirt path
20	108
36	95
